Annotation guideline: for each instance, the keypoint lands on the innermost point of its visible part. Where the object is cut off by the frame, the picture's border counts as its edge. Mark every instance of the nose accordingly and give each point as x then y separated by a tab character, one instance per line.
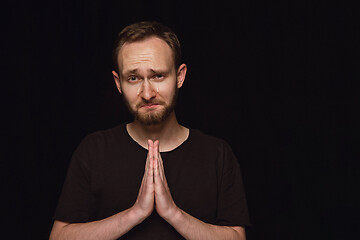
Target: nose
147	91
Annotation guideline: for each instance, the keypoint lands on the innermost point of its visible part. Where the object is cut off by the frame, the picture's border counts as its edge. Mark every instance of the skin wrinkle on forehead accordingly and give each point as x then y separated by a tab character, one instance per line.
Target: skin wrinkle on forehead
139	59
151	71
130	56
139	66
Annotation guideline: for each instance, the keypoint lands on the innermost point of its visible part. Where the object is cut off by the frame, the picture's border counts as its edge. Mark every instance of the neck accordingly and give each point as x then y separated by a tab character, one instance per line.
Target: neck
169	133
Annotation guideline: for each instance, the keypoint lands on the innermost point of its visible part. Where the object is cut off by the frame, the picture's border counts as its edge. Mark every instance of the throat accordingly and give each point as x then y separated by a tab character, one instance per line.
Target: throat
169	138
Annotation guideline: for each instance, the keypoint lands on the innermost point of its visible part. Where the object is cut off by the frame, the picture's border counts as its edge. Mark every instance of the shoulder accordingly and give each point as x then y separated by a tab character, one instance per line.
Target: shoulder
93	146
214	149
102	139
208	141
105	136
211	146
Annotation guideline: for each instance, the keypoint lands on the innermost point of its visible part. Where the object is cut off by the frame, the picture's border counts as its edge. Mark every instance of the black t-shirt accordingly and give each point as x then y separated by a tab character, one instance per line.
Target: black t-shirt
106	170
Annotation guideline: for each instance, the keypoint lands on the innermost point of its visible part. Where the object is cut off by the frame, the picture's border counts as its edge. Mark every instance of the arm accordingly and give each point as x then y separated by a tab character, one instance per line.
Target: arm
109	228
117	225
188	226
192	228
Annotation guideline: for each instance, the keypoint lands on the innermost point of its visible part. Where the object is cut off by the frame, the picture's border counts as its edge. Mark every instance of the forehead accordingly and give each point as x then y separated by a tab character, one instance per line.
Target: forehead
151	52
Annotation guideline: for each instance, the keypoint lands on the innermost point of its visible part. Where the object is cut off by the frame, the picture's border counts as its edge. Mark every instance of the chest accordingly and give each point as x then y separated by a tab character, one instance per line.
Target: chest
193	181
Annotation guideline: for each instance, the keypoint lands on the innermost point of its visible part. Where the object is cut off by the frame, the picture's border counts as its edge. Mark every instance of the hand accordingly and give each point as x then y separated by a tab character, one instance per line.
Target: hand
164	203
144	204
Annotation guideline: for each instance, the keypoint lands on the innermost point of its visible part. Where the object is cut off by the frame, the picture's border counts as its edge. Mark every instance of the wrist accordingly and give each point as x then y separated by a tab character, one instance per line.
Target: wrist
174	217
136	215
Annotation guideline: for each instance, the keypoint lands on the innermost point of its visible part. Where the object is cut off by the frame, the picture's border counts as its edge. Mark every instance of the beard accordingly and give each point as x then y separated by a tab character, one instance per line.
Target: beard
153	117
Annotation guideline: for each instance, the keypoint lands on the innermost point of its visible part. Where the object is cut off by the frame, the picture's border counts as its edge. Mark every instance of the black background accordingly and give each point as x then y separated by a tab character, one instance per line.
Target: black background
277	80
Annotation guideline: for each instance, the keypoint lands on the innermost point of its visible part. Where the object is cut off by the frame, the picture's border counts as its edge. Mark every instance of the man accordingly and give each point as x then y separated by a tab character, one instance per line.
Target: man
109	195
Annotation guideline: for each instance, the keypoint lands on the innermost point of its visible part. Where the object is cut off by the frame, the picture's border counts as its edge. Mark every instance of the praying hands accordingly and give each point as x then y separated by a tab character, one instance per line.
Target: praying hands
154	190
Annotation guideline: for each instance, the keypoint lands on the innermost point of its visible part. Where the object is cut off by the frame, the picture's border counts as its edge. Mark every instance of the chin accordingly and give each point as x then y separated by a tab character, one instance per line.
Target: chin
152	118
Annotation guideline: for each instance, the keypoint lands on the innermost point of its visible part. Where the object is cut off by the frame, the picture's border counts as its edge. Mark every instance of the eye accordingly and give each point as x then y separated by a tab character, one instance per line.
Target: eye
132	79
159	76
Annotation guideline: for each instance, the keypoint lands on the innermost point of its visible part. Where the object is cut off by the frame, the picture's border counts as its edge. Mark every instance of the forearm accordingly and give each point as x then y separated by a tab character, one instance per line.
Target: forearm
109	228
193	229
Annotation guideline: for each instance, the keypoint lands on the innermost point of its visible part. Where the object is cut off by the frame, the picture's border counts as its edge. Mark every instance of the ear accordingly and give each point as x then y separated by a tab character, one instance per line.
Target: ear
117	81
181	73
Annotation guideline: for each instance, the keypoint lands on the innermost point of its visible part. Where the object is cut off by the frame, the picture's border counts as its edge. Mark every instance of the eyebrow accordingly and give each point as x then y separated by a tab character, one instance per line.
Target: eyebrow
131	71
136	70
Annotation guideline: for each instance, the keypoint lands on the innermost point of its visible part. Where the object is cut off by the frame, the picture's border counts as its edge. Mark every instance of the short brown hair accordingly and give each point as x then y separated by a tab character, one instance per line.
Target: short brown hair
142	30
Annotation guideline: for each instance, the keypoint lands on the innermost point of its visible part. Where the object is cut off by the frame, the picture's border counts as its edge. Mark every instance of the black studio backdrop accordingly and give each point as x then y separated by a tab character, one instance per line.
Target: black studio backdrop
275	80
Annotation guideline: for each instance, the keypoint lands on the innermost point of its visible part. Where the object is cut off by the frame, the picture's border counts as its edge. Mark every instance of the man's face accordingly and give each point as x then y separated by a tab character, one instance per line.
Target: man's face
148	80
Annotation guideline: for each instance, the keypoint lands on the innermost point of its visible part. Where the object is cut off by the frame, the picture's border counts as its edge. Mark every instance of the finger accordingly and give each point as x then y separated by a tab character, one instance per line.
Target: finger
155	156
162	169
160	162
150	152
148	174
154	152
156	147
157	159
150	160
160	189
157	176
147	163
149	157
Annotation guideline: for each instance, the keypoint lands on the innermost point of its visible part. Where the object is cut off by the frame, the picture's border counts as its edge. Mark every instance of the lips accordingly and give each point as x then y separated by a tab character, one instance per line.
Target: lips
149	105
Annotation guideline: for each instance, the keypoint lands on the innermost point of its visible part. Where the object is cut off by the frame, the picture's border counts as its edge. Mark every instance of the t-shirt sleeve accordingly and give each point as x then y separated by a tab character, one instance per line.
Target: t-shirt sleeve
76	200
232	206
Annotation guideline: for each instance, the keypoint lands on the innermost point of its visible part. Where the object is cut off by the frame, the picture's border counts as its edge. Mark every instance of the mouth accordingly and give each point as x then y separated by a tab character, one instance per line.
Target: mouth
149	106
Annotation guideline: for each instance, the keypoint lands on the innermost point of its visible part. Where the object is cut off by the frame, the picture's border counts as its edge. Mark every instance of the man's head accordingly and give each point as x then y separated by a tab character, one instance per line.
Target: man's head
142	30
147	55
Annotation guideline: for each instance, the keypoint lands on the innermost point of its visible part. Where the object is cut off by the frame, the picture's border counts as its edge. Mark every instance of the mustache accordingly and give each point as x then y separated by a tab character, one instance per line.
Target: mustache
149	102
